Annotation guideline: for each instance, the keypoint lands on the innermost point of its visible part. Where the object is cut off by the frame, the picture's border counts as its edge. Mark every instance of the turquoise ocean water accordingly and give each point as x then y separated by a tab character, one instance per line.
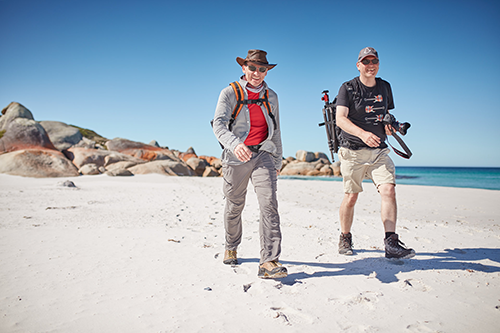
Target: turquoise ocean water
483	178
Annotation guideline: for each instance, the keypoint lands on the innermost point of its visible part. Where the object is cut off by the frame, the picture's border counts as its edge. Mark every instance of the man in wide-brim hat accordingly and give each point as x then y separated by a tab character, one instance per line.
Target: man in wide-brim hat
252	151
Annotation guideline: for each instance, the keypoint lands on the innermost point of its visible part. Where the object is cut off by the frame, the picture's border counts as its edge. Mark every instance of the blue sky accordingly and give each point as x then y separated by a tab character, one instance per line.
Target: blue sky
153	70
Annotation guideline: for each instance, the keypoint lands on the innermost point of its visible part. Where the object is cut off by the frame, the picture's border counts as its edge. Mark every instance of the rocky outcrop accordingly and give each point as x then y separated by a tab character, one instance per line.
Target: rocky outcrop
309	164
61	135
211	159
305	156
140	150
90	139
297	168
102	158
119	172
91	169
13	111
165	167
198	165
55	149
127	157
23	133
122	165
211	172
154	143
336	169
176	163
26	149
37	163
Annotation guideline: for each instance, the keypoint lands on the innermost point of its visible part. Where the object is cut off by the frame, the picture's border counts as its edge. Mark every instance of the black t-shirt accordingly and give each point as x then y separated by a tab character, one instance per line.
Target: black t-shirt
367	107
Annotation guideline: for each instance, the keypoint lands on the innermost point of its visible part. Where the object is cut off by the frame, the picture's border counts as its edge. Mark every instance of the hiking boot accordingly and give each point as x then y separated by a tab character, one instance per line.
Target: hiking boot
345	244
230	258
277	271
394	248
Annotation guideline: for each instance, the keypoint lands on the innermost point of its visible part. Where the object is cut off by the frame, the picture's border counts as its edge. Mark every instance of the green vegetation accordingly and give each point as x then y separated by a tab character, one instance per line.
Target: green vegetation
91	135
2	133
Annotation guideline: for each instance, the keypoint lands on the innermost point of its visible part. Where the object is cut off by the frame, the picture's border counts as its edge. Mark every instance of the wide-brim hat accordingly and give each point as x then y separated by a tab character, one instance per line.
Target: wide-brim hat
256	56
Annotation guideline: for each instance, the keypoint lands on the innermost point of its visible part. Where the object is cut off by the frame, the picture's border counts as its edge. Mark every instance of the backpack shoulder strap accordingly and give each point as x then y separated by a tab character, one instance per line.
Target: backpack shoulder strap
265	101
353	89
240	97
240	101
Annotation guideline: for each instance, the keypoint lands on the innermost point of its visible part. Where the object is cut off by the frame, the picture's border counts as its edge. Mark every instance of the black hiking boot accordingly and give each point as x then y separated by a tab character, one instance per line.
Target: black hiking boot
395	249
345	244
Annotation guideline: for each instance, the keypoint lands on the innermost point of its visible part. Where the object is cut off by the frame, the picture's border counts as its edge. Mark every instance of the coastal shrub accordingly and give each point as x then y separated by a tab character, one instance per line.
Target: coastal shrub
91	135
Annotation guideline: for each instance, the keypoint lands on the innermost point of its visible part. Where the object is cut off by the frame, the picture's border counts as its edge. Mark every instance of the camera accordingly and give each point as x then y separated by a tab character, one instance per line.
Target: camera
402	128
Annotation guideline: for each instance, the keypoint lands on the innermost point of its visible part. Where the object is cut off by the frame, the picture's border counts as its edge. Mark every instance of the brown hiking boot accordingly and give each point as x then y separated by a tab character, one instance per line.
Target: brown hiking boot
230	258
345	244
272	270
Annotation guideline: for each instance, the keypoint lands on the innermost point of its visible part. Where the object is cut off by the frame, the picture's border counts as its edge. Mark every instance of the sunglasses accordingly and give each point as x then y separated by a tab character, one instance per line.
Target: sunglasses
253	68
367	61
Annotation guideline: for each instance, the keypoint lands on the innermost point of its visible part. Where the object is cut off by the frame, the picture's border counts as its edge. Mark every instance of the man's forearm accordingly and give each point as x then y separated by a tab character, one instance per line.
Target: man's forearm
346	125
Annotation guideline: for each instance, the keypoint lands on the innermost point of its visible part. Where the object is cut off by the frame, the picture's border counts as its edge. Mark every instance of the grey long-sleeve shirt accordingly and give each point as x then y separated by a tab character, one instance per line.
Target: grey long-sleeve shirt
241	126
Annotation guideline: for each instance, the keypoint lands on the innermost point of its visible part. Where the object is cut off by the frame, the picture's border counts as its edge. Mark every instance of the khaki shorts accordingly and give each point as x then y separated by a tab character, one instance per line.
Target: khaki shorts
374	164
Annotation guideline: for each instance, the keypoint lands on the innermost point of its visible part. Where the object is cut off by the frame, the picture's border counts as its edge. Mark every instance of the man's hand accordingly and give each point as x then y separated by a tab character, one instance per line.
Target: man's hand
242	152
388	129
370	139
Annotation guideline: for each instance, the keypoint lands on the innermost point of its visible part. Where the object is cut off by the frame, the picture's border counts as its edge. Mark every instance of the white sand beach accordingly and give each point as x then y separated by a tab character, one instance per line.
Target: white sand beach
144	254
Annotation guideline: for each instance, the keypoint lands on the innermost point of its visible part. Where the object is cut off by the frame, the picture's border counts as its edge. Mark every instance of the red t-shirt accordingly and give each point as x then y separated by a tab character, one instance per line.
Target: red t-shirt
258	124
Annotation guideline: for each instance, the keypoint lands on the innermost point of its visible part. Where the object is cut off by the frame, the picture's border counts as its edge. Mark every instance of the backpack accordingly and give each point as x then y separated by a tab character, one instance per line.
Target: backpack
240	101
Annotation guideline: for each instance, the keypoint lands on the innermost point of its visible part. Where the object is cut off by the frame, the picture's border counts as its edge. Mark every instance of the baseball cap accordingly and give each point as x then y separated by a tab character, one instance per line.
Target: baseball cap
367	51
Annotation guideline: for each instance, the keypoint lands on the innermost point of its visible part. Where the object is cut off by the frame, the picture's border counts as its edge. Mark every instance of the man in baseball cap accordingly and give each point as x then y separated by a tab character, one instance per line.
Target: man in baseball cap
362	104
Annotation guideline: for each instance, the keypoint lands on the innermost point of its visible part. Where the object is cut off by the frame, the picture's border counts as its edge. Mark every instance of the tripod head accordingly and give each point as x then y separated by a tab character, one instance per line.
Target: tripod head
325	97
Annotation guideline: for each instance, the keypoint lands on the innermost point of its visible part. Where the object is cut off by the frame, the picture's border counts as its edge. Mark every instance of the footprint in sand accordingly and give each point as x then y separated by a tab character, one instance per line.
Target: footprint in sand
289	315
413	284
422	239
366	298
241	270
423	327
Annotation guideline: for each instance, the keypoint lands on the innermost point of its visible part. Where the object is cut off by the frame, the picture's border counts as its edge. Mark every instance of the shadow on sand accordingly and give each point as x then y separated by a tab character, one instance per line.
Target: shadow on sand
387	269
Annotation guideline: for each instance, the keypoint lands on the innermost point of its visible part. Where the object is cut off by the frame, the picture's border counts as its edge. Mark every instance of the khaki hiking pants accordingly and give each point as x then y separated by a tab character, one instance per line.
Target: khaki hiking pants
262	172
